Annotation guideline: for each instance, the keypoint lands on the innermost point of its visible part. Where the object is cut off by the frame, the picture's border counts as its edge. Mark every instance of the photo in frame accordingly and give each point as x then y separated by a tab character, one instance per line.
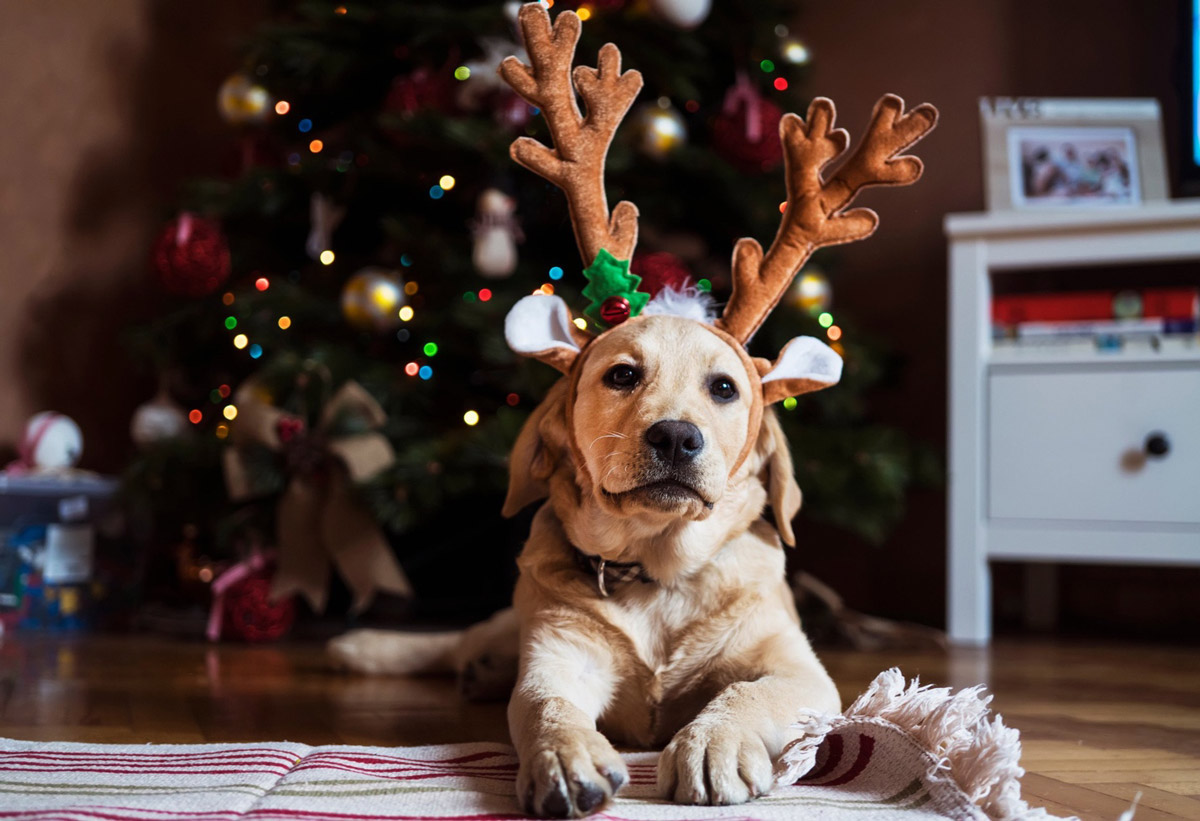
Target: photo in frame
1065	153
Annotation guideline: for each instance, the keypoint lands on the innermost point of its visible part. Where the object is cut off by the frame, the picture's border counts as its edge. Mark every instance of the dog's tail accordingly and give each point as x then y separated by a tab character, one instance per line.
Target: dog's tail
484	656
389	653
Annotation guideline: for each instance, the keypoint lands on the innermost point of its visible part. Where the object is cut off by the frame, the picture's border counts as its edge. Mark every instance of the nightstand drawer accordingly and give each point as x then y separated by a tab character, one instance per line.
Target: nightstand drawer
1084	445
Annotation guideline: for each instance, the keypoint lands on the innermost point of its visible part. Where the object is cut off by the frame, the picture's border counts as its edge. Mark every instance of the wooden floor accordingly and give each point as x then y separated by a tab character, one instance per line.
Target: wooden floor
1099	723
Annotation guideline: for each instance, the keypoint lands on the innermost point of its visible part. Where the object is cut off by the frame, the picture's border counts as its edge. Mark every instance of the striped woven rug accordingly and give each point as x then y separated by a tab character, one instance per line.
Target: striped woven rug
899	751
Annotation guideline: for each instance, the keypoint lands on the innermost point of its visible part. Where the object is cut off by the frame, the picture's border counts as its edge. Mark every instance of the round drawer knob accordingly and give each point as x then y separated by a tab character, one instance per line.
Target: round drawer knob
1157	444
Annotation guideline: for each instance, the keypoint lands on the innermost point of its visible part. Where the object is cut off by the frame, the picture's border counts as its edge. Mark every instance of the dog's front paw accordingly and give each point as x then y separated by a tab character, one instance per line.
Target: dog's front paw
714	762
570	775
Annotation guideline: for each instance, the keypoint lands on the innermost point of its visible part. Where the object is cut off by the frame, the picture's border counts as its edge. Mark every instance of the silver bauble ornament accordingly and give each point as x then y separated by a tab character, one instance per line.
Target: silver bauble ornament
686	14
158	420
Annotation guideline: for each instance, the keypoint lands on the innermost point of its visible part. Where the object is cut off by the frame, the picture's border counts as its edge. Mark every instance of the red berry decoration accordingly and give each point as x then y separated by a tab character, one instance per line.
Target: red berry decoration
659	270
249	613
289	428
191	256
614	310
746	133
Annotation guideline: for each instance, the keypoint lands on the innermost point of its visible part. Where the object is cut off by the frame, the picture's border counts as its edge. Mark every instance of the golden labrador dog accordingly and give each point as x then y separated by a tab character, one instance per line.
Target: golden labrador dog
651	606
659	458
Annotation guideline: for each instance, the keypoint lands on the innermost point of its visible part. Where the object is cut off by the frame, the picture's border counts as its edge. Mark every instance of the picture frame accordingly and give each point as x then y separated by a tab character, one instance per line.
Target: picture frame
1069	153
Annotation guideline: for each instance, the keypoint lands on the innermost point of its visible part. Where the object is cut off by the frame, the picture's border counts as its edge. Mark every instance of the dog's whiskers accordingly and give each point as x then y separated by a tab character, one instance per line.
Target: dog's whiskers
609	435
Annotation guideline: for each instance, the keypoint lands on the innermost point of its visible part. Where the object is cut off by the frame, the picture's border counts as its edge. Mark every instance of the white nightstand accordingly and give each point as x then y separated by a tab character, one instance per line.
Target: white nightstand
1045	443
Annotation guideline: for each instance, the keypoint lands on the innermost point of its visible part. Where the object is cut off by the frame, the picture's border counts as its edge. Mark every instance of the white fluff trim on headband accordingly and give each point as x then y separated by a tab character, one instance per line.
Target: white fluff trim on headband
688	302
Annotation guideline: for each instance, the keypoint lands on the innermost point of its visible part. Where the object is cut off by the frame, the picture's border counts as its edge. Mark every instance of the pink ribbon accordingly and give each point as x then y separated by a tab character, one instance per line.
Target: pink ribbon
743	92
242	570
183	229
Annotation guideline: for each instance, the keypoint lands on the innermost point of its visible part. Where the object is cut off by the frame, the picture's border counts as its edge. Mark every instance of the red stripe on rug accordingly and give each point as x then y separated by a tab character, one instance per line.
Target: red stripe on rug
95	812
363	758
135	814
173	756
384	771
835	747
341	817
866	746
413	776
137	770
181	766
511	766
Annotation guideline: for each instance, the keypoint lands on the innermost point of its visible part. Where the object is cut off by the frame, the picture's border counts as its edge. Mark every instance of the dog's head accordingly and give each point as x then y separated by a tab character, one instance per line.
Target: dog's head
658	418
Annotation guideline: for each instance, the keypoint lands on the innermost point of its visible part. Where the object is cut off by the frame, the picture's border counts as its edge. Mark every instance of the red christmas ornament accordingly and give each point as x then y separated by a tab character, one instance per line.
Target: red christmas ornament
614	310
191	256
746	132
660	269
250	615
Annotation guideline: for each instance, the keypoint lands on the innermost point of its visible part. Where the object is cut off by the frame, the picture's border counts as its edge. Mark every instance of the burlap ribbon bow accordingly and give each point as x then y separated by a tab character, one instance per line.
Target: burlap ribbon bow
318	520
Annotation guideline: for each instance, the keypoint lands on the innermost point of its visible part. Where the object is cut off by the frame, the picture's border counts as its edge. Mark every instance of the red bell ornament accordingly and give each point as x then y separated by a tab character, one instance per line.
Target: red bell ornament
614	310
191	256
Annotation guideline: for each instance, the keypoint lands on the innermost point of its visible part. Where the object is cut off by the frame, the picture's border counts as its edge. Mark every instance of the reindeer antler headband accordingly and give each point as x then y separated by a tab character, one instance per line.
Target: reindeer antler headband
815	216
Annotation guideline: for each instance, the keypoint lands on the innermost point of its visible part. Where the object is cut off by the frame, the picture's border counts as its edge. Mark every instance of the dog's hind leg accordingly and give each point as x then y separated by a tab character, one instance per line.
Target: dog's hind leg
486	658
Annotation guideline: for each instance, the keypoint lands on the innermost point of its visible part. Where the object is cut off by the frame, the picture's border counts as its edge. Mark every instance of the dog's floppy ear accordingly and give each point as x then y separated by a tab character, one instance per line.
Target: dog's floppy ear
532	458
783	494
804	365
540	326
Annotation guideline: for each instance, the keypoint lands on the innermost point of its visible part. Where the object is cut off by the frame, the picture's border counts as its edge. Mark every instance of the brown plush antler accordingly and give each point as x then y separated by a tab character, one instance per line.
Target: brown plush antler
576	163
815	215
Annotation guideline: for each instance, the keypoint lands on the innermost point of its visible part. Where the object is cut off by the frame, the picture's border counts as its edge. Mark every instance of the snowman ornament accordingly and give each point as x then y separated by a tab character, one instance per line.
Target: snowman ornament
496	234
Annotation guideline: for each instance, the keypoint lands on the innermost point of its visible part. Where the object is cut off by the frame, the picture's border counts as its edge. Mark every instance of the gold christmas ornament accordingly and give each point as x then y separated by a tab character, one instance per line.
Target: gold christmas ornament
660	129
241	100
372	298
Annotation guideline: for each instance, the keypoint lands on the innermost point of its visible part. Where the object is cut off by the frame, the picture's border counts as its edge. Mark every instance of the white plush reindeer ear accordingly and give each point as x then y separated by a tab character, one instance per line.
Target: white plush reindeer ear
804	365
540	327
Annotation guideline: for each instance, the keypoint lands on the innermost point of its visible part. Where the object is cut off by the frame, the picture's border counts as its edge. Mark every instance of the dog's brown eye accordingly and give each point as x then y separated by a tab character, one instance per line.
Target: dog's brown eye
622	376
723	389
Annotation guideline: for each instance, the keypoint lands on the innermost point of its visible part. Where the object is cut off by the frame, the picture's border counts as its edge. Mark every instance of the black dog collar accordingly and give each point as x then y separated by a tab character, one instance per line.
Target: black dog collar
609	575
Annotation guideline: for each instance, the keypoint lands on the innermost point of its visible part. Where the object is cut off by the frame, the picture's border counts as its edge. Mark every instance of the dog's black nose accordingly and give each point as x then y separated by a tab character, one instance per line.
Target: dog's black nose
675	441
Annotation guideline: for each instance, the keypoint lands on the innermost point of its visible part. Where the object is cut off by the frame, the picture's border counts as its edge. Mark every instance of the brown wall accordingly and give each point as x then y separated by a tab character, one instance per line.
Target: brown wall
106	108
950	53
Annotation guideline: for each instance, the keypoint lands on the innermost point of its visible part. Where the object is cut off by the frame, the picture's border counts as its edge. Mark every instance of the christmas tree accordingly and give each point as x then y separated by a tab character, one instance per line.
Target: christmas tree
336	347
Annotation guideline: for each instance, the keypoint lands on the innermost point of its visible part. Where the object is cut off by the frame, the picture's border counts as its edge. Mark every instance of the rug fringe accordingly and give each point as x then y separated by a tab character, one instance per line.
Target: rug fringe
978	754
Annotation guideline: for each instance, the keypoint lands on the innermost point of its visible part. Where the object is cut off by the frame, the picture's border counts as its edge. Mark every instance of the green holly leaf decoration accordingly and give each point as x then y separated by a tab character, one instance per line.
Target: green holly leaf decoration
607	277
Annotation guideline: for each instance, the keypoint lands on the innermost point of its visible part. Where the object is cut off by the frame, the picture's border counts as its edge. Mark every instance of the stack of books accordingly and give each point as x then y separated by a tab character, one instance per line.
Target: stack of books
1107	320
